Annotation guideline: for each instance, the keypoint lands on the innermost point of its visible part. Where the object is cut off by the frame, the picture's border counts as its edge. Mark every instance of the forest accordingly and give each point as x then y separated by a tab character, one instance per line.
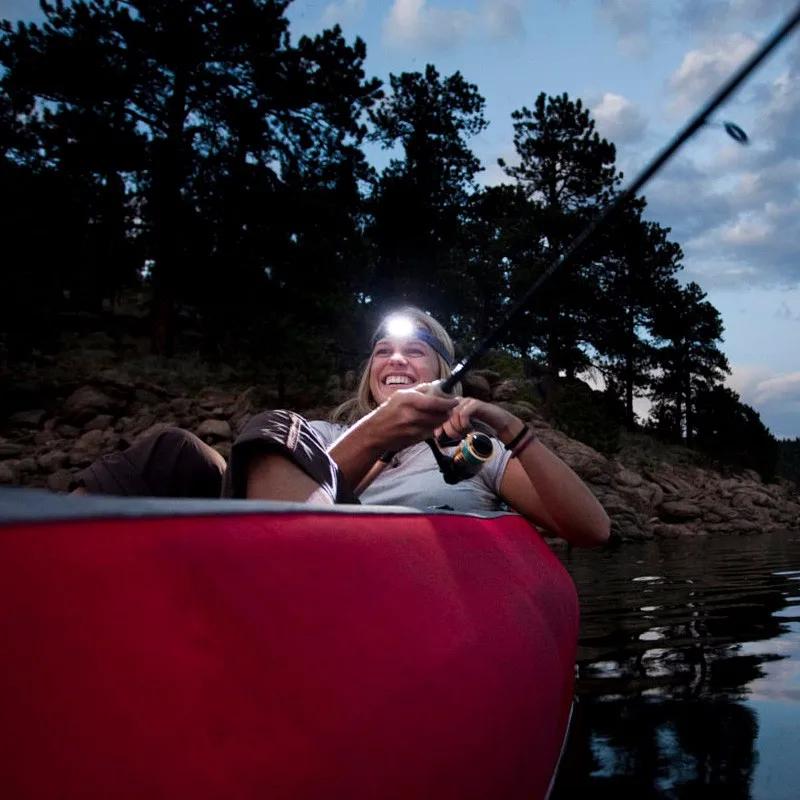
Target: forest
197	152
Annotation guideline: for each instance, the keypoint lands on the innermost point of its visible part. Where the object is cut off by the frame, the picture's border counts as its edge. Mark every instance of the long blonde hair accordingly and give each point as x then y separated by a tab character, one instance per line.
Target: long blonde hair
362	401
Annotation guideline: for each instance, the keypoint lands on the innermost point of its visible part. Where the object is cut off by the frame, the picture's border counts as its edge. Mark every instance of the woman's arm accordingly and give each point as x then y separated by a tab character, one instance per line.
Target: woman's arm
538	484
406	418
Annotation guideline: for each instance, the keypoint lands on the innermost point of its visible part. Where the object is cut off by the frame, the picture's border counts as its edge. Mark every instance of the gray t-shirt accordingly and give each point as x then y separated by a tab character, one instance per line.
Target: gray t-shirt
414	479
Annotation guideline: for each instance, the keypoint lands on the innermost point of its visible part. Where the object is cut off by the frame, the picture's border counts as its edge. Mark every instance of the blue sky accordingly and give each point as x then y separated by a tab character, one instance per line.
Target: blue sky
643	67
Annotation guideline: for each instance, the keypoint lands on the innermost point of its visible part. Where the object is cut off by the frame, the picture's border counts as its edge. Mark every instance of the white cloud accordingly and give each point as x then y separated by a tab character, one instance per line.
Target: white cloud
342	11
704	70
418	22
618	119
775	395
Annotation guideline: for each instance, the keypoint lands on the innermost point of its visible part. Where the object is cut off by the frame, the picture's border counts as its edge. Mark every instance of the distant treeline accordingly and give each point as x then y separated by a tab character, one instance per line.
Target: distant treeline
196	149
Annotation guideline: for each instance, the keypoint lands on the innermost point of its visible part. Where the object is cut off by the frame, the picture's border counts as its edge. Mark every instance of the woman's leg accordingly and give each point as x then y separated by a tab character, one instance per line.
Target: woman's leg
172	463
279	456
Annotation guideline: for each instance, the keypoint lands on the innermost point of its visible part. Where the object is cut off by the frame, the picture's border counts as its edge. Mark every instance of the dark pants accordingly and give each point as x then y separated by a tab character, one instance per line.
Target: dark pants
175	463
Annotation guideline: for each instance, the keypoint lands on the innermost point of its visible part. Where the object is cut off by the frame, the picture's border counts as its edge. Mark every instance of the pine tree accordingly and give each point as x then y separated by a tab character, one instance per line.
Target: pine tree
568	172
687	359
419	204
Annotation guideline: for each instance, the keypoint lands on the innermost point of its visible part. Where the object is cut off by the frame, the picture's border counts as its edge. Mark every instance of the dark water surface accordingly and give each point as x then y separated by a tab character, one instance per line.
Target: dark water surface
688	674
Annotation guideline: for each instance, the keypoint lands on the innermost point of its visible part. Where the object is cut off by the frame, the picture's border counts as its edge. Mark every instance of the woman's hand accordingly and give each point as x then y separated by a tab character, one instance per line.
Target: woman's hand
410	416
537	484
459	422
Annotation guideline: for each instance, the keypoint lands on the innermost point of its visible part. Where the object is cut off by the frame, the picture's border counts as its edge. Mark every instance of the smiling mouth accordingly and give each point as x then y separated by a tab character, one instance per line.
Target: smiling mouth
397	380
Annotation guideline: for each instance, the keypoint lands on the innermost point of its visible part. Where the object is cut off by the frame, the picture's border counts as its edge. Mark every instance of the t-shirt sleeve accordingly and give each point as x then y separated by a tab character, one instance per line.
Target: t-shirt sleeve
329	432
494	470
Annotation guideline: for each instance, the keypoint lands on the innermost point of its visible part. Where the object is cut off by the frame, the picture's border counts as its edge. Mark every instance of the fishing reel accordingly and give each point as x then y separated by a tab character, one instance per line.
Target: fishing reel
472	452
471	455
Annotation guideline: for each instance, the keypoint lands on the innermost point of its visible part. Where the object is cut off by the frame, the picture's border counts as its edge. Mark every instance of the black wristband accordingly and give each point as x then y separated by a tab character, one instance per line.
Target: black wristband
518	438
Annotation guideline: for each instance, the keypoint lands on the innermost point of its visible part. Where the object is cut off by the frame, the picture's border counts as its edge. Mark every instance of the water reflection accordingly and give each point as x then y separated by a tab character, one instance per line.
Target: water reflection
689	654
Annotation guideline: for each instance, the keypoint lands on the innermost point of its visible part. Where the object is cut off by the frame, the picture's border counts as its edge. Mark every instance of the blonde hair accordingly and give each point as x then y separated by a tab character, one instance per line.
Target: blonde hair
362	401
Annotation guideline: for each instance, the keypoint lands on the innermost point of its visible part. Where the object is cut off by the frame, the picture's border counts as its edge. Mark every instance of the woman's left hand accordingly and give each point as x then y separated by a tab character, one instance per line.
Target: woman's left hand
459	423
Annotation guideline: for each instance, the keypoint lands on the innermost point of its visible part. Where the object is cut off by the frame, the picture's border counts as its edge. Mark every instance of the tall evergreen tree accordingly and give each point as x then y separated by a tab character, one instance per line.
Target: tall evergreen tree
732	432
687	359
567	171
218	101
633	280
419	203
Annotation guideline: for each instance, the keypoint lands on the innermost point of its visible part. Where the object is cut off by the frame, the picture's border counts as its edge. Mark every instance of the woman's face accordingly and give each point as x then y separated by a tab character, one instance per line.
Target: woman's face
399	363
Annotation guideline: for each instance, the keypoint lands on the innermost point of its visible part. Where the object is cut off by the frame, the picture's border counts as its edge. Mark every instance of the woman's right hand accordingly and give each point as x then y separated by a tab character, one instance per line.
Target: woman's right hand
409	416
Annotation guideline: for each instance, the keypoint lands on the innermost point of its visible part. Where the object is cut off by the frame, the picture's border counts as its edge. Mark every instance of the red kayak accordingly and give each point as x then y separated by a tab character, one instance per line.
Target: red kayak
237	649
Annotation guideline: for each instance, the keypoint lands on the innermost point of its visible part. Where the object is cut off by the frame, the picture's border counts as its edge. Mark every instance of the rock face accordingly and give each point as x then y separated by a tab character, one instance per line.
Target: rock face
644	500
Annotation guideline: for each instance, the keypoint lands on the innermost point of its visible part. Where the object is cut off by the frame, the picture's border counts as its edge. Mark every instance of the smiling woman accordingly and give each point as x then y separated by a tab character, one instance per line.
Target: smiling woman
393	410
396	409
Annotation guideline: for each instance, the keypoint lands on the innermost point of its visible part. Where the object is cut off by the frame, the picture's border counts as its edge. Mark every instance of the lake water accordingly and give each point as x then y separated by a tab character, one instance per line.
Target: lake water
688	671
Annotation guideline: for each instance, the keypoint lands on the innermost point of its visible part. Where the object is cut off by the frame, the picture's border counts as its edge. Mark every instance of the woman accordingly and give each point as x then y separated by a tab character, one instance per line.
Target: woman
281	456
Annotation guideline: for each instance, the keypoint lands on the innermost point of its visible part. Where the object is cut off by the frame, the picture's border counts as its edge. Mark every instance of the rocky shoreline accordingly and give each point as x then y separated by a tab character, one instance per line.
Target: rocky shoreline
646	498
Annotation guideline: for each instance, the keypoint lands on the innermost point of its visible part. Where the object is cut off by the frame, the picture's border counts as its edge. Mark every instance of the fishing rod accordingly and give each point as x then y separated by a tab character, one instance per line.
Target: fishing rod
568	256
702	118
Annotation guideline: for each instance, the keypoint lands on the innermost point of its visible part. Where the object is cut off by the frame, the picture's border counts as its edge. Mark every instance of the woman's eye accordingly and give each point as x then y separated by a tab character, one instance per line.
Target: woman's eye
415	351
382	351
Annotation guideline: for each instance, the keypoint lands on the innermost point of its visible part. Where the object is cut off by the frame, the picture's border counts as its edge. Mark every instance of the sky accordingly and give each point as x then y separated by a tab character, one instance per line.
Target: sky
643	67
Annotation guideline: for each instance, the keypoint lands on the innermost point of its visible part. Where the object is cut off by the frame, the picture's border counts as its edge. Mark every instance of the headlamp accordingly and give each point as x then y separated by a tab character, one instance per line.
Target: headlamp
401	327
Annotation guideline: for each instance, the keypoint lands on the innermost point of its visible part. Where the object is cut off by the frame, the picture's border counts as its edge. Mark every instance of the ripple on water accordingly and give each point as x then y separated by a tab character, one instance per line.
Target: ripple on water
688	669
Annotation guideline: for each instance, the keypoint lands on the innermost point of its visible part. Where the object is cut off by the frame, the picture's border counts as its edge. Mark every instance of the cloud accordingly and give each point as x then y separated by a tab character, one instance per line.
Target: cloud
775	395
737	217
418	22
618	119
342	11
704	70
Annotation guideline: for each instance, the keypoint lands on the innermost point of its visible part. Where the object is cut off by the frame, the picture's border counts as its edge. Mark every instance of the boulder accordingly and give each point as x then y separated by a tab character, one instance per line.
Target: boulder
505	391
59	481
87	448
99	423
679	511
672	531
627	477
10	450
214	430
28	419
86	403
49	462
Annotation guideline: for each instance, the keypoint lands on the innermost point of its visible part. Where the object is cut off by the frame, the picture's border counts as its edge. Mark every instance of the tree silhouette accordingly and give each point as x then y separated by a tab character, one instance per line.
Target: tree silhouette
568	172
181	101
419	204
634	278
688	359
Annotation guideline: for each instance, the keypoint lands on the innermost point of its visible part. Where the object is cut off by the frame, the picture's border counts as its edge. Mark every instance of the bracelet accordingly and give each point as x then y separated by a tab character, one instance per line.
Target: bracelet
523	445
518	438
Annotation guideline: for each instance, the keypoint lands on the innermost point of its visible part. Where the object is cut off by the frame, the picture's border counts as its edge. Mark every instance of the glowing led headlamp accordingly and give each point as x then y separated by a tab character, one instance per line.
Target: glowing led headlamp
400	327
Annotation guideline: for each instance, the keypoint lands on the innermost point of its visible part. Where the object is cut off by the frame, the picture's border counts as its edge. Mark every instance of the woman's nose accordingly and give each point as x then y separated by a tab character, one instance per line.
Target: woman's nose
397	355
